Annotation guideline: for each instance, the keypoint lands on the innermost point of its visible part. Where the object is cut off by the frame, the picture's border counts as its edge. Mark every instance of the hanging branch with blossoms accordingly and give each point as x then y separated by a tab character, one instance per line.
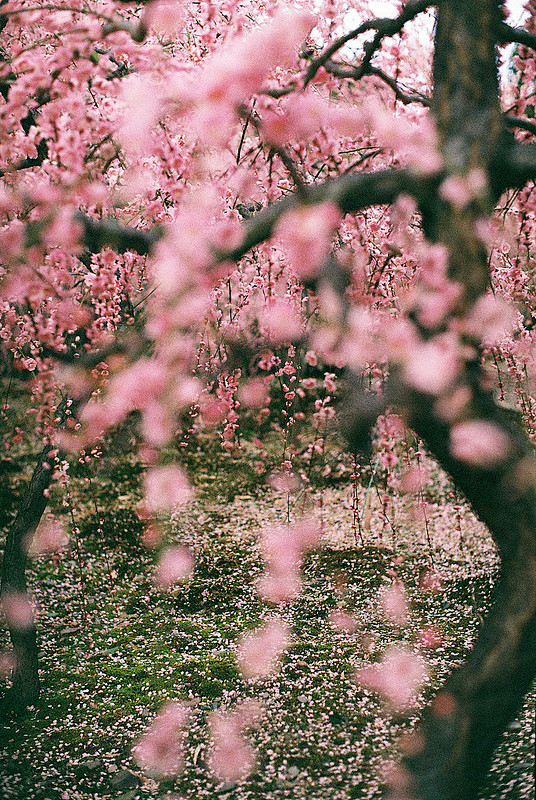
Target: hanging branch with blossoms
184	191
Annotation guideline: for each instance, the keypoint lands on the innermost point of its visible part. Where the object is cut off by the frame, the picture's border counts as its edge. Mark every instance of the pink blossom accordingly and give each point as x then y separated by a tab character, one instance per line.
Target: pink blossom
240	68
460	190
166	487
49	537
280	321
176	564
17	609
491	319
479	443
166	16
398	677
160	749
232	757
142	99
453	404
305	234
279	586
285	482
431	367
394	603
260	650
253	394
282	549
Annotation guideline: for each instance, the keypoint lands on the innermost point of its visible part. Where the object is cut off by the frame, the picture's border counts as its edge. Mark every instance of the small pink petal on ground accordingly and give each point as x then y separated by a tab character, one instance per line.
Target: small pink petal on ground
430	581
429	637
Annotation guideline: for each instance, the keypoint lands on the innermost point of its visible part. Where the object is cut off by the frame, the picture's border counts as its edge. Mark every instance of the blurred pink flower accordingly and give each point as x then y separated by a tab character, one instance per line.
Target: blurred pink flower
431	366
17	609
232	757
343	621
175	564
260	650
398	677
479	443
305	233
166	487
49	537
280	321
160	749
394	603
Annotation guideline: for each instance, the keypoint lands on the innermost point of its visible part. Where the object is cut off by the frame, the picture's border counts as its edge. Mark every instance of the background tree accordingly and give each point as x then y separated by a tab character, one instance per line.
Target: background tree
254	163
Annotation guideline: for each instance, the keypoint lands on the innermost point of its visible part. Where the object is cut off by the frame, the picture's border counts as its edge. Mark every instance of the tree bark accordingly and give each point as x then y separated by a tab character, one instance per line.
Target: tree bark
25	690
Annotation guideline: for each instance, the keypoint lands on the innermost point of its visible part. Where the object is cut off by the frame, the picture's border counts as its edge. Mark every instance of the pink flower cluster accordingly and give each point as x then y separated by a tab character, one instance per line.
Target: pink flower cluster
174	566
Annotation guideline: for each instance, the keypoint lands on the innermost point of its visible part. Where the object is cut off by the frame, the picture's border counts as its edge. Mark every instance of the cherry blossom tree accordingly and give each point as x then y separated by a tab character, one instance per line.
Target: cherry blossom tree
188	188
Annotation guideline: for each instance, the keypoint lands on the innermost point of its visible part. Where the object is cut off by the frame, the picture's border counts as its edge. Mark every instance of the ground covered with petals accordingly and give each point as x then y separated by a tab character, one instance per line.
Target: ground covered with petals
116	646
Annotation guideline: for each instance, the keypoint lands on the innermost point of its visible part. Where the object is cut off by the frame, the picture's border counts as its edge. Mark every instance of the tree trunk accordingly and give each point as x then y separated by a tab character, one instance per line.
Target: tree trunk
25	690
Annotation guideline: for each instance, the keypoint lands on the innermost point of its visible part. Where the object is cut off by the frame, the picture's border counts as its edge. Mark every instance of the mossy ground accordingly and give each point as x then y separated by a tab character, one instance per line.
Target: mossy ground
114	647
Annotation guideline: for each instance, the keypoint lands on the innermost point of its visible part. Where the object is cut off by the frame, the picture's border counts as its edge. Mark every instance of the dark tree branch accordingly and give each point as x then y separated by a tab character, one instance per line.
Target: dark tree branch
506	34
519	122
520	164
108	233
463	724
351	192
404	97
388	26
25	690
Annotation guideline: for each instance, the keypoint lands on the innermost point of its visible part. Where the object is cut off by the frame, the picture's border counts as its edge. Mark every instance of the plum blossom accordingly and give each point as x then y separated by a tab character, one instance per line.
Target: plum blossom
175	565
166	487
282	549
17	609
143	101
160	749
280	322
479	443
460	190
232	757
490	320
260	650
305	233
343	621
166	16
430	367
394	603
398	677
